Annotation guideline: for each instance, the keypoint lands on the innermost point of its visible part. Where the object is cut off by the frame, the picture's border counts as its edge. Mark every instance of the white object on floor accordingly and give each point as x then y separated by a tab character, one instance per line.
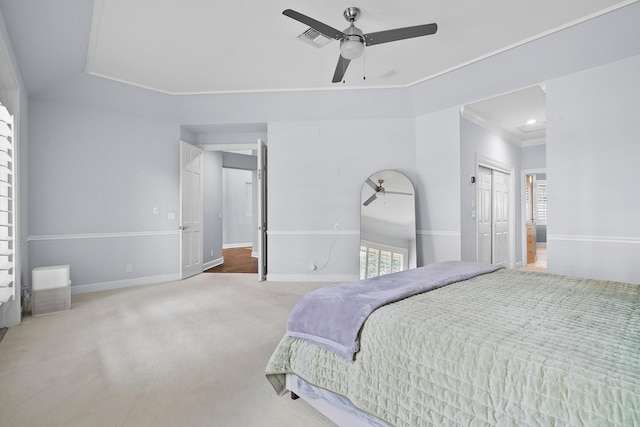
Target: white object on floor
51	289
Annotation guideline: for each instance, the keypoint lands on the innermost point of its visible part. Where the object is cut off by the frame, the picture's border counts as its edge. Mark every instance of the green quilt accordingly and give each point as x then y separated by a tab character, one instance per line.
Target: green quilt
510	348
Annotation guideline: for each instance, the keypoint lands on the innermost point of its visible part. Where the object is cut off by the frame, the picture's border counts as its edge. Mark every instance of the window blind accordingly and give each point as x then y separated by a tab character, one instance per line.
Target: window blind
541	199
6	205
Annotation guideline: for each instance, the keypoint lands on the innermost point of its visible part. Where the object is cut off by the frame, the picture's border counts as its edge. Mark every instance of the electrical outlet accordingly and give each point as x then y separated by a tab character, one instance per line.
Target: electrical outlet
128	268
212	253
336	226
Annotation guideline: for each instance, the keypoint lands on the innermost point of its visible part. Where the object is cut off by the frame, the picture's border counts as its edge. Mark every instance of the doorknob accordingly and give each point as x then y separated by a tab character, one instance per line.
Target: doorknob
183	227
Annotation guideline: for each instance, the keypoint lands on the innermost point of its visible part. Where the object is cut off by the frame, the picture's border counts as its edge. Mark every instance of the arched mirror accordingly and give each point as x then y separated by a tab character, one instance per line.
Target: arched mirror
387	224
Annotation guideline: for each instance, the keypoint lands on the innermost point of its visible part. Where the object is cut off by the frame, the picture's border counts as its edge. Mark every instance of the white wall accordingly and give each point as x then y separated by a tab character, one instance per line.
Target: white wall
476	140
593	156
82	128
237	196
316	173
95	178
212	209
533	157
437	182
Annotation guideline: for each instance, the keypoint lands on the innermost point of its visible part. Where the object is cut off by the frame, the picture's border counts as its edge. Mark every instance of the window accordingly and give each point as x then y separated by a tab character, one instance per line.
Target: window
541	202
377	259
529	198
6	205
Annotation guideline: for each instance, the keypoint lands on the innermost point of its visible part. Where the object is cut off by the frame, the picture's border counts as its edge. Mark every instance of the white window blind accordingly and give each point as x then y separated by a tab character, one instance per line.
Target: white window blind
541	202
528	202
378	259
6	205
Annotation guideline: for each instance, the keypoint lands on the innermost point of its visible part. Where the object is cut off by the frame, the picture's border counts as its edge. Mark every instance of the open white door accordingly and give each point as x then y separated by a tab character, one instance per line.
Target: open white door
262	210
191	180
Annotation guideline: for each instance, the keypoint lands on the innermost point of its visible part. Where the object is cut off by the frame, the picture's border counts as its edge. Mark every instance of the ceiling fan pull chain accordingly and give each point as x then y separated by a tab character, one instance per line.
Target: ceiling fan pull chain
344	71
364	64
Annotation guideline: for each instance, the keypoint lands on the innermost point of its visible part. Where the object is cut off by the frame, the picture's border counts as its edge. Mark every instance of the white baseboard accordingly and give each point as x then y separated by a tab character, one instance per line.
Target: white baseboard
214	263
237	245
312	277
128	283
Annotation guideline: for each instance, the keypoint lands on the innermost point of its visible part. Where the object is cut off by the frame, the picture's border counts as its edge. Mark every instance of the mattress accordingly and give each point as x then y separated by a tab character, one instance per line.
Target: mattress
505	348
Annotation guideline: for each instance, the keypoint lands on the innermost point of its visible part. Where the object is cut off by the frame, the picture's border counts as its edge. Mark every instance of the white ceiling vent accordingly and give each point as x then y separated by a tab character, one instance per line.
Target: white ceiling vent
535	127
314	38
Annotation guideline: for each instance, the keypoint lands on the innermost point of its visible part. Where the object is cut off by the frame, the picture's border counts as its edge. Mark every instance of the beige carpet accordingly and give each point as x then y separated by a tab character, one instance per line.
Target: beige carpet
189	353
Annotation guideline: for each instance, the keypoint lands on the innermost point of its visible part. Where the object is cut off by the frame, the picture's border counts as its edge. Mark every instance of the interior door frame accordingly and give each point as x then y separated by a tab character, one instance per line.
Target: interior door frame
261	204
489	163
523	203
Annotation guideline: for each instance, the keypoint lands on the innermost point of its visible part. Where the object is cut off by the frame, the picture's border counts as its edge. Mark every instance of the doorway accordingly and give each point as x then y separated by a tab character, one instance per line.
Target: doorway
239	248
236	260
242	158
535	219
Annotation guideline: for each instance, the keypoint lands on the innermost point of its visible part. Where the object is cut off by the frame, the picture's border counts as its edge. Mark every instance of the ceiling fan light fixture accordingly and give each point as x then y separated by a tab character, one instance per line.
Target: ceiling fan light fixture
353	40
351	47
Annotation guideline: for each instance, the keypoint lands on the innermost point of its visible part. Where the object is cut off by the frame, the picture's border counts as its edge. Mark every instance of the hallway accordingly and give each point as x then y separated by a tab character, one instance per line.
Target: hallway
541	260
236	260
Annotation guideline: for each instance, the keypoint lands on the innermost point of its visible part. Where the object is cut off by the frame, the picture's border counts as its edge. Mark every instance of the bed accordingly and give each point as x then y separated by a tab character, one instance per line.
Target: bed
501	347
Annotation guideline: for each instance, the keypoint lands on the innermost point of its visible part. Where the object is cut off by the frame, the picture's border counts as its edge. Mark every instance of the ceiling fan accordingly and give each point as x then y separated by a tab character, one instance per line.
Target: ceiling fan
353	41
380	190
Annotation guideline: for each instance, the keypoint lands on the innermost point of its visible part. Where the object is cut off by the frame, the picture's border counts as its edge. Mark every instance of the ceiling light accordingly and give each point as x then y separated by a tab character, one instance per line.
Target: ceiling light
531	121
351	47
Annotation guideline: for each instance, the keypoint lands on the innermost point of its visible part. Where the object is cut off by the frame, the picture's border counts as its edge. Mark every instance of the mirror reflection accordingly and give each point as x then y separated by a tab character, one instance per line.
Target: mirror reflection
387	224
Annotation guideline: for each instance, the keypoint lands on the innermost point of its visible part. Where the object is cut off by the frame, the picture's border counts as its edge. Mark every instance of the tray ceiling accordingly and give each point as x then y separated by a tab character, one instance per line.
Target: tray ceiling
198	46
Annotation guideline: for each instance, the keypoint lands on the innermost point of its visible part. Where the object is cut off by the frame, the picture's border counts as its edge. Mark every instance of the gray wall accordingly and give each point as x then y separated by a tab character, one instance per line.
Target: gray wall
533	157
475	140
327	157
102	154
239	161
437	182
316	172
593	227
238	207
212	209
95	177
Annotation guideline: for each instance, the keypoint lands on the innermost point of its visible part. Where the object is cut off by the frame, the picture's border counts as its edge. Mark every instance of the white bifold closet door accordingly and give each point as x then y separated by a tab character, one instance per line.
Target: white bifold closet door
493	216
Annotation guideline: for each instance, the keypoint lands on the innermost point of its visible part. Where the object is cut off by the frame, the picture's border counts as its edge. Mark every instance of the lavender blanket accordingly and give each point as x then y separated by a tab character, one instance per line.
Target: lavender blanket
331	317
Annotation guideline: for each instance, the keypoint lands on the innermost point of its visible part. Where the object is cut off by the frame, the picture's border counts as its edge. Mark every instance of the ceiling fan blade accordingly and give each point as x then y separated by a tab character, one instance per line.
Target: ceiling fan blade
316	25
399	192
399	34
372	184
341	68
370	199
